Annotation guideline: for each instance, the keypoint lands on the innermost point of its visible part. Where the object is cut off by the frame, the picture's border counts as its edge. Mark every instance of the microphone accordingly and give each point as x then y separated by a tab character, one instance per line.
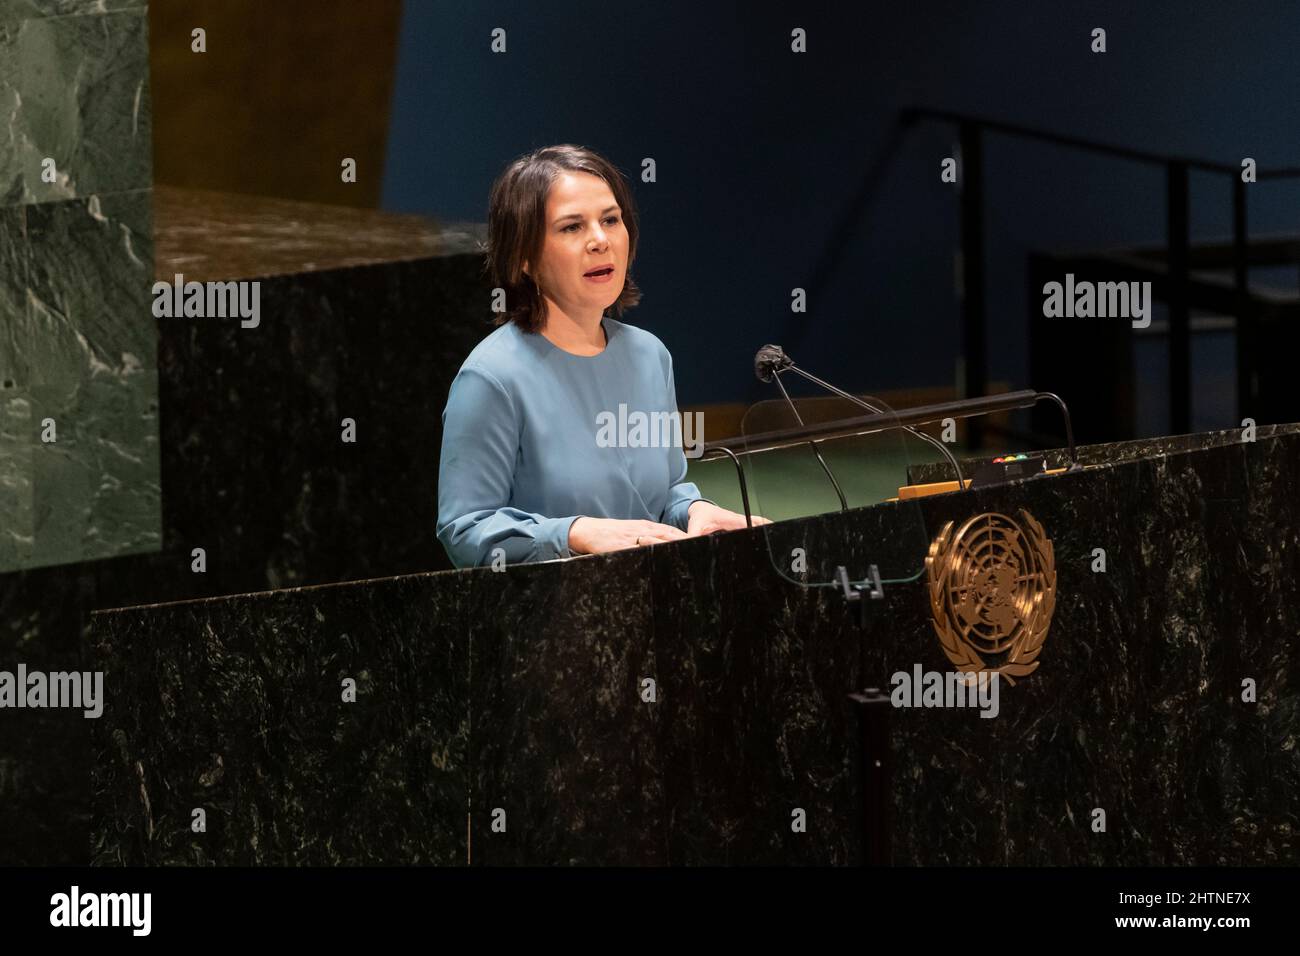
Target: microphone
770	361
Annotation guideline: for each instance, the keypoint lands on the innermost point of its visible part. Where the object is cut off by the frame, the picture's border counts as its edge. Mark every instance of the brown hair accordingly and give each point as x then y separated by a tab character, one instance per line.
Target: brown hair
517	227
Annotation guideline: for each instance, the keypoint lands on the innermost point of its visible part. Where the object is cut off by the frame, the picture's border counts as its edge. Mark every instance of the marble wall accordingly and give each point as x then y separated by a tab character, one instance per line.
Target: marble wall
79	459
364	314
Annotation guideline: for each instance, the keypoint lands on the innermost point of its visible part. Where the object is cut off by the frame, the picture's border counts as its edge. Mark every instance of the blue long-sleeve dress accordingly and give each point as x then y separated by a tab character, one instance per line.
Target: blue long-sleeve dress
534	437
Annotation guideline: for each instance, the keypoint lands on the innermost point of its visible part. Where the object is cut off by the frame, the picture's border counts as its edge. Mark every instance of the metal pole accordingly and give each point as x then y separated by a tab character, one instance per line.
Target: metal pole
876	766
1247	359
974	321
1180	338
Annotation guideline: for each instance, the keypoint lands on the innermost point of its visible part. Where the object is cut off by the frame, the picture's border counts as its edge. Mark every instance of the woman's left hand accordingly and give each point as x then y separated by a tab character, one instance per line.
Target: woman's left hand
706	518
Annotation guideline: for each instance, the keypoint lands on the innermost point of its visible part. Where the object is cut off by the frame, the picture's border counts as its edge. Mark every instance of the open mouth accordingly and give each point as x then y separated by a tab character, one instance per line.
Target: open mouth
599	273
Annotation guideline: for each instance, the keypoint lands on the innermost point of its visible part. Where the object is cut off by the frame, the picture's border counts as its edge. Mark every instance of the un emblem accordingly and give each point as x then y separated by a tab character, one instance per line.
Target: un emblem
992	593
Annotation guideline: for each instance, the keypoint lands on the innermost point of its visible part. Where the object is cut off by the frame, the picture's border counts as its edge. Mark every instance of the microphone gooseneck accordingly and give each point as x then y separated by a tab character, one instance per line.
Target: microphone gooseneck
770	361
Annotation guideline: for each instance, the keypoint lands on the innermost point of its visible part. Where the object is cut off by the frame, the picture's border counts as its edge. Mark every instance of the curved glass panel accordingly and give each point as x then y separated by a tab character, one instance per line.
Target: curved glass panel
807	487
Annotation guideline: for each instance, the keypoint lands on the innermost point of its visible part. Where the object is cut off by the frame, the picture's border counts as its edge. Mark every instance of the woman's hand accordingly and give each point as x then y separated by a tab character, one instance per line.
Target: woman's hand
705	518
597	535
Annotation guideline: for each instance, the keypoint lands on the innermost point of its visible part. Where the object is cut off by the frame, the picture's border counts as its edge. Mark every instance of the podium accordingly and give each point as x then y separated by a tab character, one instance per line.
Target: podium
699	702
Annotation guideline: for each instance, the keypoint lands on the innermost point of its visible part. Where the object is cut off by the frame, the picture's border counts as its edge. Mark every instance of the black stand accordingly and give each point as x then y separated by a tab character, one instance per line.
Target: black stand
875	768
852	593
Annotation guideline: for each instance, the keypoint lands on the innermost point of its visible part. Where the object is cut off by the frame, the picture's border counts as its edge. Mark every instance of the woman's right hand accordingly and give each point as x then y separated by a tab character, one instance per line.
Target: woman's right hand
597	535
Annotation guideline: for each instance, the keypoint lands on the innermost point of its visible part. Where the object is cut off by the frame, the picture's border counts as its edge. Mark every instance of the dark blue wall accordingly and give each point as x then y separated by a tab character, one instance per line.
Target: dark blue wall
766	158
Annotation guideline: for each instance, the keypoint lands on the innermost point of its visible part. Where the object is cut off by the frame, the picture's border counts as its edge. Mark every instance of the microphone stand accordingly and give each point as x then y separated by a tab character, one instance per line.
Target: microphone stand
788	364
844	504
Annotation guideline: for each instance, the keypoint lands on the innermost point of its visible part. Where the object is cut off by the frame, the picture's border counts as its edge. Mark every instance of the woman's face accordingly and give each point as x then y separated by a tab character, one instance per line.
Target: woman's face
584	232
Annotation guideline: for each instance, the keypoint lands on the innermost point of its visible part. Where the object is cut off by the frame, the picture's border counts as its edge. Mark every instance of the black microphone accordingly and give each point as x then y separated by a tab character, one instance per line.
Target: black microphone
770	359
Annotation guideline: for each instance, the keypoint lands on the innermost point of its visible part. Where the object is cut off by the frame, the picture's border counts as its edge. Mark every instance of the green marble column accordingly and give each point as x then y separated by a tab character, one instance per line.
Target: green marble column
78	345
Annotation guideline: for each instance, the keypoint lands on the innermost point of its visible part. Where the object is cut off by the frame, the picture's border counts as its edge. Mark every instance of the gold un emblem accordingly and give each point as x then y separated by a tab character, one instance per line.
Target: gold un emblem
992	592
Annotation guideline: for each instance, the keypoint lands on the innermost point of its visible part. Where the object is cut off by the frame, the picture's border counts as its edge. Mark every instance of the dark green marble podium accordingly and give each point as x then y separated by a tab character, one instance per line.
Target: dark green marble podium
501	717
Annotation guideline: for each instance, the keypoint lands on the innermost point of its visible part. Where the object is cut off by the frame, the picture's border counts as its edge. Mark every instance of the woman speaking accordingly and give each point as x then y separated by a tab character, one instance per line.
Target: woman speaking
524	473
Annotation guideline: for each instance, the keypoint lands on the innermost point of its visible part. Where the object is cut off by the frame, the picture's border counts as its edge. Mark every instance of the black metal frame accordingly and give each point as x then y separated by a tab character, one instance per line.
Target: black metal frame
971	131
